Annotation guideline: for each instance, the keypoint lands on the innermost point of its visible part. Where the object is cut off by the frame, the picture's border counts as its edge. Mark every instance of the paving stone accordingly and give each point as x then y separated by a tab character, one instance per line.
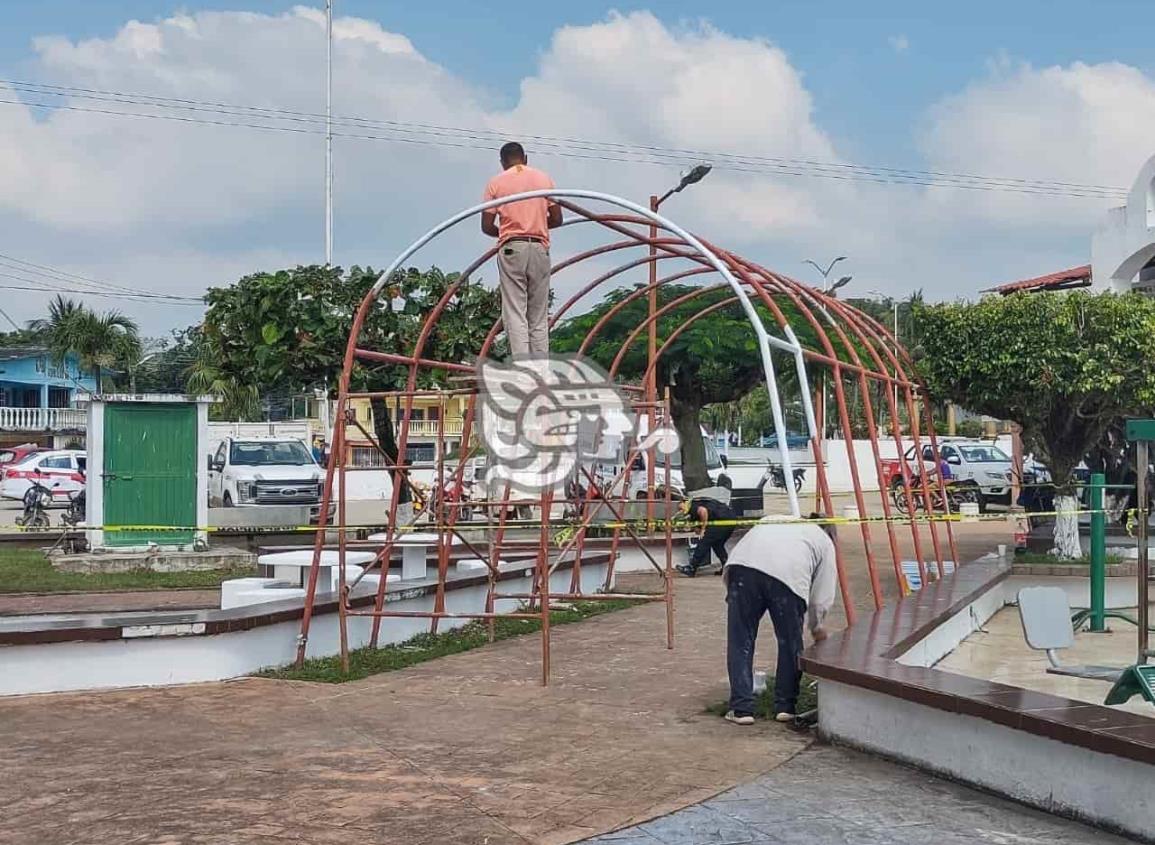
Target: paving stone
701	825
833	796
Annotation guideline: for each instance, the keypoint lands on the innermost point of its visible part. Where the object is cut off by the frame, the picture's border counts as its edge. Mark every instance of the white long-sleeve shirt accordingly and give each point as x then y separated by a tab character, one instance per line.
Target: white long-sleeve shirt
798	554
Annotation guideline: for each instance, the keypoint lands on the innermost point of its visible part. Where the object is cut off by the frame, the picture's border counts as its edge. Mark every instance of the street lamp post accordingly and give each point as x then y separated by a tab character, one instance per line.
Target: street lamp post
135	367
830	289
894	305
690	177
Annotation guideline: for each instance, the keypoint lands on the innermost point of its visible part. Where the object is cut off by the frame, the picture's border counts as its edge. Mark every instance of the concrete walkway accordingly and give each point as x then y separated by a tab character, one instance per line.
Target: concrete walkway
469	748
832	796
465	749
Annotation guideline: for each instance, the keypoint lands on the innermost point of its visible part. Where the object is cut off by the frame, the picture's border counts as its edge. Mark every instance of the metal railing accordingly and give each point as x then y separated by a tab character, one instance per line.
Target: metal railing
450	427
42	419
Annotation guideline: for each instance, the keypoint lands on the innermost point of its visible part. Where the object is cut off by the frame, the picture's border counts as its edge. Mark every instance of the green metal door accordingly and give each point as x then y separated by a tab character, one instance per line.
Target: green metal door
150	467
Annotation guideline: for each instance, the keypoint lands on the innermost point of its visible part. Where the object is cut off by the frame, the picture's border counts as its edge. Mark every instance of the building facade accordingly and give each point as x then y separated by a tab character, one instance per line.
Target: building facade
38	397
1123	248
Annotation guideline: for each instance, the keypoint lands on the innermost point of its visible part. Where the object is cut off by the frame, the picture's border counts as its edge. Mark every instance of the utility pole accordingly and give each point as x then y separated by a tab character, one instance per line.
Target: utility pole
328	133
690	177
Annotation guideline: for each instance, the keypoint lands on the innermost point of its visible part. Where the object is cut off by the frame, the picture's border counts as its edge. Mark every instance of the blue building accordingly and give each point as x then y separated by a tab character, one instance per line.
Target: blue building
38	397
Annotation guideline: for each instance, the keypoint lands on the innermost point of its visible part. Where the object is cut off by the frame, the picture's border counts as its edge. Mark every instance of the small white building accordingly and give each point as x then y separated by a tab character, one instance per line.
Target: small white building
1122	249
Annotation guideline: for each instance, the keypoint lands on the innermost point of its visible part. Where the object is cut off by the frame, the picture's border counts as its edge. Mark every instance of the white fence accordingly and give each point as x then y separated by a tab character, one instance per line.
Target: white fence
42	419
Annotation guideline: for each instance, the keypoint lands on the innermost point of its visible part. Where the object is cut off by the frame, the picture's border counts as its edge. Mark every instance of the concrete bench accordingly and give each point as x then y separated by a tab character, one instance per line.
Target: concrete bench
475	564
290	577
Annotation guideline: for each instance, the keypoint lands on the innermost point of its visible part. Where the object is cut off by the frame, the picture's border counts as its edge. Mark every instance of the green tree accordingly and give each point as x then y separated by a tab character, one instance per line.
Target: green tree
1064	366
287	331
100	342
714	361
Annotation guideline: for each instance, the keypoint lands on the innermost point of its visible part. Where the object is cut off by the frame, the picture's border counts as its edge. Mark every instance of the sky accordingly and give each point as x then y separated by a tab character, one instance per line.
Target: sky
1042	91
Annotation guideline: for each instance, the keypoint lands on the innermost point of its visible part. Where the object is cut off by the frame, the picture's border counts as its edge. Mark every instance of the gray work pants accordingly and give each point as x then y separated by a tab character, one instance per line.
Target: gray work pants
523	268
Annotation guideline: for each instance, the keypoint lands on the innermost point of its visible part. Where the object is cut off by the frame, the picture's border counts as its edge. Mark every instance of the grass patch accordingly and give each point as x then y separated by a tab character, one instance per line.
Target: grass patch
28	571
366	661
1043	559
764	703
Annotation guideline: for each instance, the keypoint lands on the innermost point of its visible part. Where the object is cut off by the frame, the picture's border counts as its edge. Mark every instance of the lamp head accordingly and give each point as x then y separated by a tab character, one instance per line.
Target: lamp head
694	175
841	283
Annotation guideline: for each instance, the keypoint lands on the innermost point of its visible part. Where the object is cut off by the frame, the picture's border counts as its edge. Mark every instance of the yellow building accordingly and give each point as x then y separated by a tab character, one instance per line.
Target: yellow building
431	418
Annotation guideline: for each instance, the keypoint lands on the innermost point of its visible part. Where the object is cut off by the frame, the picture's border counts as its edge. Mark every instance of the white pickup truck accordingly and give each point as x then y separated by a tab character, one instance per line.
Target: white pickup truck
255	471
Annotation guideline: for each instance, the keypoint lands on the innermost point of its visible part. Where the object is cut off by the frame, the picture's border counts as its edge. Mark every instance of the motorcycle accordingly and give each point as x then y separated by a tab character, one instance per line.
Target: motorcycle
77	507
956	496
459	496
777	477
36	502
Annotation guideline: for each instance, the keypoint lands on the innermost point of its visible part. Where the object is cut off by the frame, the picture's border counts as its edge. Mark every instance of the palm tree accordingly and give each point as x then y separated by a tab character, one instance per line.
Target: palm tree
205	376
99	342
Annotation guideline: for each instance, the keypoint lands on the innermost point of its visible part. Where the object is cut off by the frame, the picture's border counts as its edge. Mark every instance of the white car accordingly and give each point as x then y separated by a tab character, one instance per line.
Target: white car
62	472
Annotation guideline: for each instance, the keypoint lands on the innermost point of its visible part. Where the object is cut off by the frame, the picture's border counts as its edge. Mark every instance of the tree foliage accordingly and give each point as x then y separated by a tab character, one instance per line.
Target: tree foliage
100	342
1064	366
287	331
715	360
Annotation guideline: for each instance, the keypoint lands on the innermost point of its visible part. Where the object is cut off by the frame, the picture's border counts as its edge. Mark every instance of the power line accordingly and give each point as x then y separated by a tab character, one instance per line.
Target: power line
57	281
55	274
38	287
569	148
497	135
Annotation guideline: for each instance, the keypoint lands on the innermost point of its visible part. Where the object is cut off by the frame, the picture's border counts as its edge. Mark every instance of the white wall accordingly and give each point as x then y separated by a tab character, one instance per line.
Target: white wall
161	660
1068	779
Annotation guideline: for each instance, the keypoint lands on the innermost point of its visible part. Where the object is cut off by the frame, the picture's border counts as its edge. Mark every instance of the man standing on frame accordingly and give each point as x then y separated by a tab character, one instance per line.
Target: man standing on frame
522	232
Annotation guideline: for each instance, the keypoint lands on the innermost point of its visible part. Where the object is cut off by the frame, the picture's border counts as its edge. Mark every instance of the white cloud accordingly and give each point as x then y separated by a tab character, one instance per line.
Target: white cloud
1083	124
154	186
899	43
177	206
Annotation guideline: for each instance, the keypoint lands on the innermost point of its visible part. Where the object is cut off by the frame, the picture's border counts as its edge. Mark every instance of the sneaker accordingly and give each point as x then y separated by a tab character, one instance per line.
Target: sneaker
688	571
739	718
784	717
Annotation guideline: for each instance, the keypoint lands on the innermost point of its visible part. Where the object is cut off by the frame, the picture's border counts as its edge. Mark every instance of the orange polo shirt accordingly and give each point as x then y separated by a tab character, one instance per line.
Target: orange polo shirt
524	218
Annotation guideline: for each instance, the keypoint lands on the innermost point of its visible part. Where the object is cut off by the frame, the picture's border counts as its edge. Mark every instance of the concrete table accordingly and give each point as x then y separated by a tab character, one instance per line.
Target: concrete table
414	552
293	566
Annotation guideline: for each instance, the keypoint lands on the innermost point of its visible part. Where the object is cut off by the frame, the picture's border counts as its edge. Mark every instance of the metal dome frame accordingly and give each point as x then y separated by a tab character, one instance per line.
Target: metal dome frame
869	354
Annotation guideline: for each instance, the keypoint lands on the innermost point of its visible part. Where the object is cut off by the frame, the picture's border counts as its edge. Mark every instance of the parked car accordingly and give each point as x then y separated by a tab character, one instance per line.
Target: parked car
977	464
255	471
797	442
16	454
61	471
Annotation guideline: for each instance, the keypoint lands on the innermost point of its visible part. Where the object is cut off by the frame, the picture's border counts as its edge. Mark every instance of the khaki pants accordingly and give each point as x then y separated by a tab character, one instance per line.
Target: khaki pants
523	268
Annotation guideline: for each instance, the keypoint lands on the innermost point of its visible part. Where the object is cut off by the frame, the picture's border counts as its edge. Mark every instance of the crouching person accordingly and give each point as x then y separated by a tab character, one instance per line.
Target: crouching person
786	569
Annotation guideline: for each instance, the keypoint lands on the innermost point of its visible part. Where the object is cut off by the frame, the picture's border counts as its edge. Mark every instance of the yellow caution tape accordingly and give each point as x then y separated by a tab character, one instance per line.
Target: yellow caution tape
569	527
